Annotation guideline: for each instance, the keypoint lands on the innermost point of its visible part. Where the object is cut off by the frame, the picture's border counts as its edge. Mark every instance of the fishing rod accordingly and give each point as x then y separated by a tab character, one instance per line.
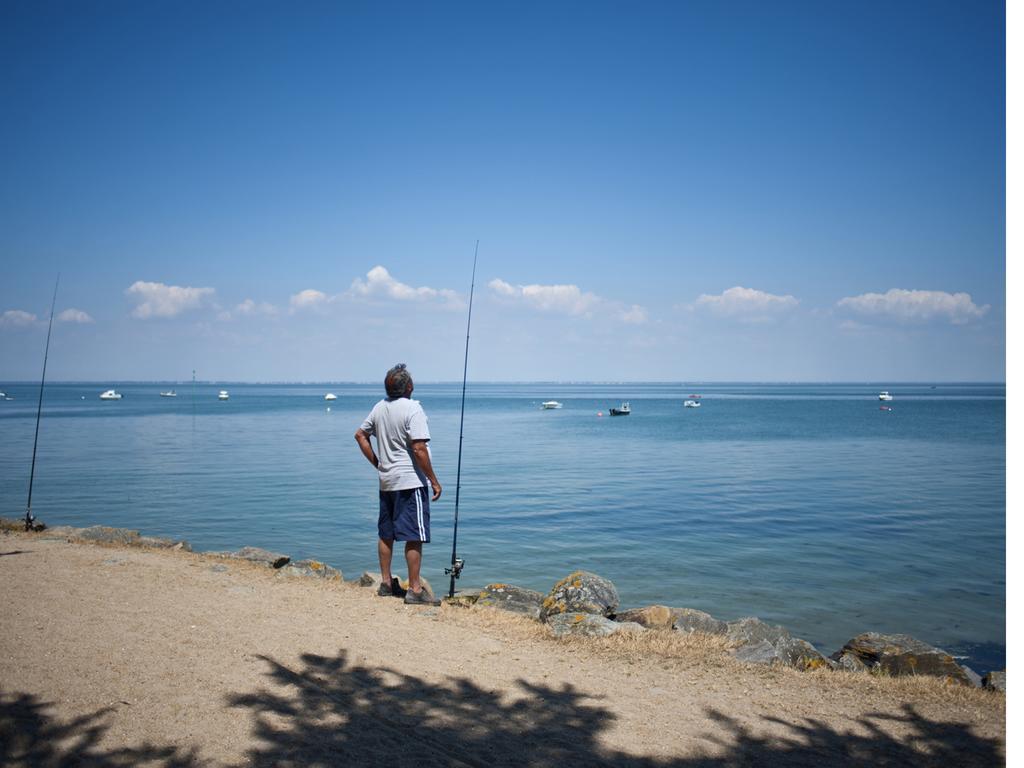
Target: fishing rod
457	563
30	521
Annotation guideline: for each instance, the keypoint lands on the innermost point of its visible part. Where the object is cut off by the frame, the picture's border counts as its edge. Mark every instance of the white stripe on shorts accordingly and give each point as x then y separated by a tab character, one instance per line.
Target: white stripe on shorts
419	514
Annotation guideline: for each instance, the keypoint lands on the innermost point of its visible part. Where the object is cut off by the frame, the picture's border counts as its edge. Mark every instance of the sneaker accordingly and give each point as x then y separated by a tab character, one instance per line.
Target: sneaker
423	597
394	589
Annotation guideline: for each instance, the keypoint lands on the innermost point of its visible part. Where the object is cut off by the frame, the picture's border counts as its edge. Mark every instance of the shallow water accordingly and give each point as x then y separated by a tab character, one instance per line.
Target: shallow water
805	505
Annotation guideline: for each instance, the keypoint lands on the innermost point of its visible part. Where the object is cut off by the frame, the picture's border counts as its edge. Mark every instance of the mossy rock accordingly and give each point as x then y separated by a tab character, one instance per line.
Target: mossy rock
581	592
899	655
589	625
508	597
756	642
650	616
310	569
690	620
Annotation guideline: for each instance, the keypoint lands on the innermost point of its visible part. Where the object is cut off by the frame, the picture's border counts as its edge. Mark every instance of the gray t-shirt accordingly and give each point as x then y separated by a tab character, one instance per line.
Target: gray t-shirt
395	422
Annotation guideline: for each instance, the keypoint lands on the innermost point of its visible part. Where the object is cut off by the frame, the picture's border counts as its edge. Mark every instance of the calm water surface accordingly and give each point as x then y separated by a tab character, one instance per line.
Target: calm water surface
805	505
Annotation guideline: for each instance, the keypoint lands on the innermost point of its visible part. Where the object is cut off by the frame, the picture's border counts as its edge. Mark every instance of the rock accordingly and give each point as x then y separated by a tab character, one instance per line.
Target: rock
903	655
973	676
158	542
995	681
581	592
311	569
511	598
464	598
689	620
588	625
651	616
759	643
849	661
256	555
423	582
369	580
61	533
106	535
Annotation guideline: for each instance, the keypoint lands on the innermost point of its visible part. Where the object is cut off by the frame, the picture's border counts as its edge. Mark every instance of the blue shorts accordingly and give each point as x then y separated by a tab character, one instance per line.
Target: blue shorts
404	515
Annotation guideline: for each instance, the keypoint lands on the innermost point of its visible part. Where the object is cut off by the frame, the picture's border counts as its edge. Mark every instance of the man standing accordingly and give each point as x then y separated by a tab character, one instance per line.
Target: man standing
403	466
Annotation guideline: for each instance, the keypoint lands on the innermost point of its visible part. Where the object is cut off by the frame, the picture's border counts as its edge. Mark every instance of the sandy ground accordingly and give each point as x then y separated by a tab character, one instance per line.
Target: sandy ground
115	656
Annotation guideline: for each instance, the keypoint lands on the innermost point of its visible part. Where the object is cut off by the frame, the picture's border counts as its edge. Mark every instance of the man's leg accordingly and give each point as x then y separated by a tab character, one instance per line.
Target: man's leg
385	547
413	558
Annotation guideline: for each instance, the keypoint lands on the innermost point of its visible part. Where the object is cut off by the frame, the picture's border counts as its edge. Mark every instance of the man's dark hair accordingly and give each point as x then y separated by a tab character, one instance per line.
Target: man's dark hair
397	380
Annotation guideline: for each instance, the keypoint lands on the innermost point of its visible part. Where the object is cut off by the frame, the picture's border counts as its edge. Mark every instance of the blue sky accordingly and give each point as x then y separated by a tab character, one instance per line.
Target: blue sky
679	191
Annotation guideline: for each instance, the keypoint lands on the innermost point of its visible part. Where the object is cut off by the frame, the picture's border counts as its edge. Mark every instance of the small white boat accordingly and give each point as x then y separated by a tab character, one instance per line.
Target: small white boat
622	410
551	405
691	404
330	396
222	395
884	396
110	394
171	393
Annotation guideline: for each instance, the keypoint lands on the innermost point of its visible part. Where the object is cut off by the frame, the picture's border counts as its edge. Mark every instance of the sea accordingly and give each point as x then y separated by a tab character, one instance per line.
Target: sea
808	505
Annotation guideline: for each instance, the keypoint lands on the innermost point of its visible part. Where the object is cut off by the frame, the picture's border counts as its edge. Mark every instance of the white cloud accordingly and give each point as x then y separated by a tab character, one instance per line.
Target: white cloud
635	315
72	315
379	282
250	307
919	306
17	317
565	299
746	302
160	300
308	299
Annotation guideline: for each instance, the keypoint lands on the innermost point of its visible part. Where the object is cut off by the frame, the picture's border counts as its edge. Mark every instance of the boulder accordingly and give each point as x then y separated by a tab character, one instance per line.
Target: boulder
159	542
511	598
589	625
256	555
973	676
995	680
650	616
464	598
849	662
756	642
581	592
689	620
310	569
902	655
369	579
103	534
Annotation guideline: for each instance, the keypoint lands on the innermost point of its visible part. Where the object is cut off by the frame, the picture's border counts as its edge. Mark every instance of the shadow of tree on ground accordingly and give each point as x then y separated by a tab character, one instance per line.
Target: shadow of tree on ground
29	736
332	713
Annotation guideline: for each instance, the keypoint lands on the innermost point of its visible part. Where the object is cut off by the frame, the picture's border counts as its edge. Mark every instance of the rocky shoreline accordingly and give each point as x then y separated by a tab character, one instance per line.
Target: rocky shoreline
584	604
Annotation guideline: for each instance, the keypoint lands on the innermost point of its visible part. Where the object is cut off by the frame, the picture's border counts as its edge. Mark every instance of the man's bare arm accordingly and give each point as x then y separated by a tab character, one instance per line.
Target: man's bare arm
422	455
364	445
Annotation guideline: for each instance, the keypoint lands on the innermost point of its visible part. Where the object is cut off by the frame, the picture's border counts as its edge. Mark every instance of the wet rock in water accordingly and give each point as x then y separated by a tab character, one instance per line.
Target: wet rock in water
995	680
756	642
581	592
903	655
256	555
508	597
310	569
589	625
103	534
650	616
690	620
159	542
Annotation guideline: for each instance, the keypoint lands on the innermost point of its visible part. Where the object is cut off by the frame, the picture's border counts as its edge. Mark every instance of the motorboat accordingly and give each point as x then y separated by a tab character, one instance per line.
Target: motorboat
622	410
550	405
330	396
222	395
884	396
170	393
691	404
110	394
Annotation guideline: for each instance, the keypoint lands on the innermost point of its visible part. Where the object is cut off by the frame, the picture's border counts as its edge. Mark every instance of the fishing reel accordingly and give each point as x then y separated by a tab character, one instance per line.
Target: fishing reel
456	570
